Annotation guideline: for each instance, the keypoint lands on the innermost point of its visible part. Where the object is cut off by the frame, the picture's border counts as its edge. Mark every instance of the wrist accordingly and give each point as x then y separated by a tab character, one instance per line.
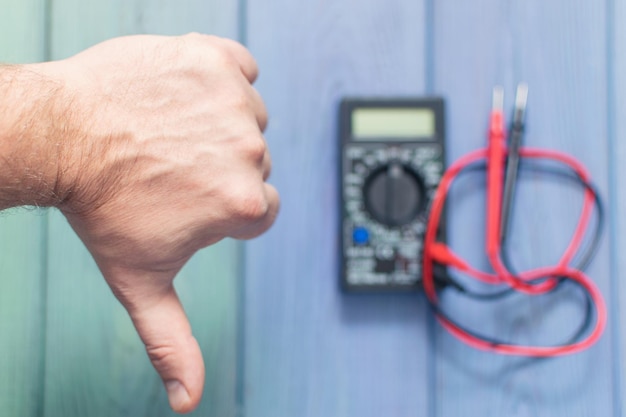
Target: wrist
34	129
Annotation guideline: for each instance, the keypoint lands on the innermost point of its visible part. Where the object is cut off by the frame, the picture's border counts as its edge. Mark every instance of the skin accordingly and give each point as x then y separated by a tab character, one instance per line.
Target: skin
153	148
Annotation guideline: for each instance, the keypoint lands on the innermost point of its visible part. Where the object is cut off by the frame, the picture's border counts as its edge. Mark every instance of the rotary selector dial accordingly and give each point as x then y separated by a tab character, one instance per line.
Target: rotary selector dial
394	194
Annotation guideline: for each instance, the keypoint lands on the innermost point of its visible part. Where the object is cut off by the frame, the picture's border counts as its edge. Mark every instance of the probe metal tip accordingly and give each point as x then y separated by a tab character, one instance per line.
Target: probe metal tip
521	98
498	98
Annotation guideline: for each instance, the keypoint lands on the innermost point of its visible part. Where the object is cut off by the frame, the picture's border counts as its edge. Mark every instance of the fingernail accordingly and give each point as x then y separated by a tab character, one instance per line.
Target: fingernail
177	394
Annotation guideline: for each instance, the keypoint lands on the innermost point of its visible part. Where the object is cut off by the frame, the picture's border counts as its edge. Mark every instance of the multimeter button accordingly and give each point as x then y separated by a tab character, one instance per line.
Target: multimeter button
360	236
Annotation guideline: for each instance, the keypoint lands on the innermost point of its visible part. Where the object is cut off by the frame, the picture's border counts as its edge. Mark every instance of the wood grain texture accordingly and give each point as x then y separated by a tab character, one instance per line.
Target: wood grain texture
309	349
22	250
95	363
559	49
22	320
617	137
80	24
22	31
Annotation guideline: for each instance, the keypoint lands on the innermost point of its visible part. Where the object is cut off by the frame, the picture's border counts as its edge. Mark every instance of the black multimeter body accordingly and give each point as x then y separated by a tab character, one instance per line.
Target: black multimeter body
392	160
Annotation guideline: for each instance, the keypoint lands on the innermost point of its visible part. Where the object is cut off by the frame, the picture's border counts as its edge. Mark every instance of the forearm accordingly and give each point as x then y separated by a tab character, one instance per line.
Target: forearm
33	120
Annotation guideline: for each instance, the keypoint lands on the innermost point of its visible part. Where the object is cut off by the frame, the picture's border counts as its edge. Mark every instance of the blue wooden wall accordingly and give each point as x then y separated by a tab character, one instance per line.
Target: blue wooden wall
278	337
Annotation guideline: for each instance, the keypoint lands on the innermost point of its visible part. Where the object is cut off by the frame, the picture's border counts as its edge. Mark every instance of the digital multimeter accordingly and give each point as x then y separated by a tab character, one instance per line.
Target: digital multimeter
392	160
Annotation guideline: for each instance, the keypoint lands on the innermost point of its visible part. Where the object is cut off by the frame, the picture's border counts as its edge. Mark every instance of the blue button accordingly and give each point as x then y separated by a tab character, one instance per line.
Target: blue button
360	236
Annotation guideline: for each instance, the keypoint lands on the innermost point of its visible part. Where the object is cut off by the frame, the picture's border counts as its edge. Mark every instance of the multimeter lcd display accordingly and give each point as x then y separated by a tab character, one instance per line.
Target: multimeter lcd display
398	124
392	160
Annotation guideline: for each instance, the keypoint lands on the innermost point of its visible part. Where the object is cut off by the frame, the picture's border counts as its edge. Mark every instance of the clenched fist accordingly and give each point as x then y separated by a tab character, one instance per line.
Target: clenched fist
152	147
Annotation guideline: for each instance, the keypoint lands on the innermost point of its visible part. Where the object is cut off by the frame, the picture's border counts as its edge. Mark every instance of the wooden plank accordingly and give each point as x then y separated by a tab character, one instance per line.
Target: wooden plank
78	25
22	247
96	364
22	31
22	302
559	49
617	137
309	349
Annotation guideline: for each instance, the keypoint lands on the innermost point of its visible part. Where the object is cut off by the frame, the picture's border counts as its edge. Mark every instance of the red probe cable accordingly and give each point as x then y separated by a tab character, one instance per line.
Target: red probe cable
439	252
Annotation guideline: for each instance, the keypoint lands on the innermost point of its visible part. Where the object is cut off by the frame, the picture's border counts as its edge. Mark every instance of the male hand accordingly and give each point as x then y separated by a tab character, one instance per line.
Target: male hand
164	156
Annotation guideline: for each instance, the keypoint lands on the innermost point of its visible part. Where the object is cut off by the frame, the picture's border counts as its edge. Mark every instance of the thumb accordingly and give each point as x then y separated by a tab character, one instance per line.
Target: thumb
174	352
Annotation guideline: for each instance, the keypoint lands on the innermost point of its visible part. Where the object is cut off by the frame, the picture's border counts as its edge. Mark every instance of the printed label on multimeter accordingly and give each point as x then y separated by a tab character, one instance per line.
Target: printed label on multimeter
392	160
